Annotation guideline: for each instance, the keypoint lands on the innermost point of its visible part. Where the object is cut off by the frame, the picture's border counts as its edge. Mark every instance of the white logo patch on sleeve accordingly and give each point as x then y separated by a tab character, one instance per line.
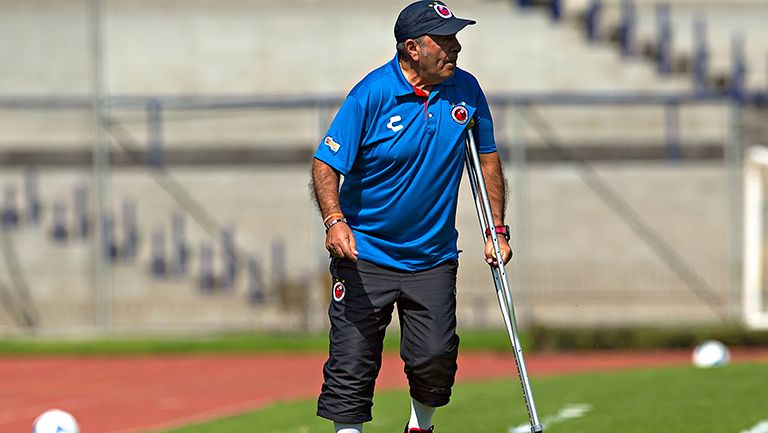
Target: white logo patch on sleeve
332	144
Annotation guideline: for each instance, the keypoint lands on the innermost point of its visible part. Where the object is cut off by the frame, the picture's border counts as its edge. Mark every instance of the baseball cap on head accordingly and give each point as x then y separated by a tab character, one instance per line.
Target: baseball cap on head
427	18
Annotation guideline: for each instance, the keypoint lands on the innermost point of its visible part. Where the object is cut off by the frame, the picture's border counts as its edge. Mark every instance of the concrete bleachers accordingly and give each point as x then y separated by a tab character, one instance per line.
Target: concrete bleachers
248	46
581	264
60	274
563	273
724	19
257	47
723	23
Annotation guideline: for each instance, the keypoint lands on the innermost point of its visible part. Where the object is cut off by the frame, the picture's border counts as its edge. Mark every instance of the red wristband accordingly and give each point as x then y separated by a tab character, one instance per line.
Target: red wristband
500	230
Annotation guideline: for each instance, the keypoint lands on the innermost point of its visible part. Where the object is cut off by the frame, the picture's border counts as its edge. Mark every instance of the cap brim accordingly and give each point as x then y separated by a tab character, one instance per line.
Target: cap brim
450	27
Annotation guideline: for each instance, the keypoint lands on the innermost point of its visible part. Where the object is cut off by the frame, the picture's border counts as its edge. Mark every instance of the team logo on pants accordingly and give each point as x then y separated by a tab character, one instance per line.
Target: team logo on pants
460	114
339	291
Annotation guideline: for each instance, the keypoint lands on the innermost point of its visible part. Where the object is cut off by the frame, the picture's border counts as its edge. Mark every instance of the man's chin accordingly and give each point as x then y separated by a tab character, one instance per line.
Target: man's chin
444	75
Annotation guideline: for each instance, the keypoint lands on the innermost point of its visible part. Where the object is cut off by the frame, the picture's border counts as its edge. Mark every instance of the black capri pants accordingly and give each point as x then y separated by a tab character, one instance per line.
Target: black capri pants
364	295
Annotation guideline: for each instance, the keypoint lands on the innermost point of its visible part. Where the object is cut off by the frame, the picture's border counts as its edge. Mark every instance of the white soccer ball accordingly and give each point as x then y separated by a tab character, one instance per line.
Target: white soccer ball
55	421
711	353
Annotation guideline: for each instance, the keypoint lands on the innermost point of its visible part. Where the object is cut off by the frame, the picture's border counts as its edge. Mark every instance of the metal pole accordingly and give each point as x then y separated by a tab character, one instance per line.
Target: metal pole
627	28
734	170
520	221
318	289
102	286
663	39
700	54
593	20
735	166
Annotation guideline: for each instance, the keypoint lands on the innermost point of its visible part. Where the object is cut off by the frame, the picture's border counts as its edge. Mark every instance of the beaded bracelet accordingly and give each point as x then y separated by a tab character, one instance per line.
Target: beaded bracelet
331	215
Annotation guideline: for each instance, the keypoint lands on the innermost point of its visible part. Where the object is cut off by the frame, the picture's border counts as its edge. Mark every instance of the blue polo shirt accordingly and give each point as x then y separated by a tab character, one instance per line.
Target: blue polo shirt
402	157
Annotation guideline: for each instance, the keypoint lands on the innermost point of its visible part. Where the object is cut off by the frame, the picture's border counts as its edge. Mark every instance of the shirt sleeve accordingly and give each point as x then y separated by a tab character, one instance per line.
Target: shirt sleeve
484	126
339	146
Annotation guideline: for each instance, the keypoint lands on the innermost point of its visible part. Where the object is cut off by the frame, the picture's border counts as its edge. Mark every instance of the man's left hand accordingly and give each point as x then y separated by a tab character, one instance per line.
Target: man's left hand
506	251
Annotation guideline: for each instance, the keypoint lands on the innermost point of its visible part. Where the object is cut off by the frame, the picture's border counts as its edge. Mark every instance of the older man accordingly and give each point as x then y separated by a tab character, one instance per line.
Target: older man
398	140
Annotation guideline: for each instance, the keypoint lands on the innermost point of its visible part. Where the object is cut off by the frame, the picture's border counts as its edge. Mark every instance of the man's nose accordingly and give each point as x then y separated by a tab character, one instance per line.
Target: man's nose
455	46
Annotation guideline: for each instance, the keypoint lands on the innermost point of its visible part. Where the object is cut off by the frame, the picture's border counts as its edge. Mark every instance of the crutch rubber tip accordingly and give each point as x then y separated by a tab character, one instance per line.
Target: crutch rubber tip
537	428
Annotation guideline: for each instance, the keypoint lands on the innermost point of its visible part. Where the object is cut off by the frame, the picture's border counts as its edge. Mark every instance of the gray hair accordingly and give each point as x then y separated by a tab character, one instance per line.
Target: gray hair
400	47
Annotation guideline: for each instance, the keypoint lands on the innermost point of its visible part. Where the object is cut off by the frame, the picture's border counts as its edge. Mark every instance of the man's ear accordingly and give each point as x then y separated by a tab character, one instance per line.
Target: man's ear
412	48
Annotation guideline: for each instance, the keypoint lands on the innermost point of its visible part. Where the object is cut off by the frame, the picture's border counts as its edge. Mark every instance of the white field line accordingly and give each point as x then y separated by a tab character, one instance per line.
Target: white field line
761	427
578	410
570	411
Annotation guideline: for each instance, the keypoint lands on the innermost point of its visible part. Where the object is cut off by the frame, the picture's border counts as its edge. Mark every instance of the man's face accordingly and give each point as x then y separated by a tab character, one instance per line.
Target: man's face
437	57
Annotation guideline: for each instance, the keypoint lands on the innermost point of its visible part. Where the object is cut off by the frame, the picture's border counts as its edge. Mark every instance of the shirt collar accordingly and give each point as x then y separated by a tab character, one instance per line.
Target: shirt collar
403	87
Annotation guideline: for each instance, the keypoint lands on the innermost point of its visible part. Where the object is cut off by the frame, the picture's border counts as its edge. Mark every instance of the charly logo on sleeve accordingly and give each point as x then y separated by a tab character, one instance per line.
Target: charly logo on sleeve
332	144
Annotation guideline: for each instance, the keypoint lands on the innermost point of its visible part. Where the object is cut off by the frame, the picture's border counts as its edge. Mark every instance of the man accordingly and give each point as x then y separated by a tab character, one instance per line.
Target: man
398	139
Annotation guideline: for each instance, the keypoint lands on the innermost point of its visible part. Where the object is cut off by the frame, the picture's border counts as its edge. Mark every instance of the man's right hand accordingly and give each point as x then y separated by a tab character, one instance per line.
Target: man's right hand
340	242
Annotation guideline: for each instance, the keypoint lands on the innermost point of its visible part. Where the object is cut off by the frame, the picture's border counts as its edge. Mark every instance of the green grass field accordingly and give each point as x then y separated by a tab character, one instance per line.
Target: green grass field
731	399
237	343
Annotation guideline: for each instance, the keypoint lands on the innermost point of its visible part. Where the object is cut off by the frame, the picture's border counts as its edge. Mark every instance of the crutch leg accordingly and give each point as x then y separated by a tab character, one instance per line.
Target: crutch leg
498	272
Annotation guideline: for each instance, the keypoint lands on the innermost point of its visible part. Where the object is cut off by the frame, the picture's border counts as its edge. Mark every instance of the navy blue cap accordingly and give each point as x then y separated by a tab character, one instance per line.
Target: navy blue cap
427	18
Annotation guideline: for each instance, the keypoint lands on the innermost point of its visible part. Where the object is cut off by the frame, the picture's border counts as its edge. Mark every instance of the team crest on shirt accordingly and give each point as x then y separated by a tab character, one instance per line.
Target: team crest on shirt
459	114
332	144
339	291
443	10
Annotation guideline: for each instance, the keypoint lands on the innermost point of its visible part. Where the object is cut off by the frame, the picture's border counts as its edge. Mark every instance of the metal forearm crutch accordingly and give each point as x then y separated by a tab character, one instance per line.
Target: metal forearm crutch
484	214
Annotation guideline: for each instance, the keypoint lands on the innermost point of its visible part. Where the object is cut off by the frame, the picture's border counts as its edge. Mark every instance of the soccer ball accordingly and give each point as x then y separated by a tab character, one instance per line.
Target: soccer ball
55	421
711	353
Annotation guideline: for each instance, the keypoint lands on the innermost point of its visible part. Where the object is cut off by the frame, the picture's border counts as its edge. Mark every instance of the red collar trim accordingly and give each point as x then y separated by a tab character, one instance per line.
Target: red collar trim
420	92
